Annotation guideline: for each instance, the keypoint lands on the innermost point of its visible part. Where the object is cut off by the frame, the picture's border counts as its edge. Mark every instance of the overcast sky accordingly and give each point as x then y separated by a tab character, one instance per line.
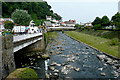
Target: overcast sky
84	10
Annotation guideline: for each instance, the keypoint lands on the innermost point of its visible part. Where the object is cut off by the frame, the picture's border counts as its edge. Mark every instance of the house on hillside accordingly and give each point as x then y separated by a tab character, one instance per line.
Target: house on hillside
88	24
62	24
70	23
47	24
54	22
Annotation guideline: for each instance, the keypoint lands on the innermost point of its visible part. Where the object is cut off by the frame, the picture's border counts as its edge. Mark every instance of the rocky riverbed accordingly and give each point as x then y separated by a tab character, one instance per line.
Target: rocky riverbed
72	59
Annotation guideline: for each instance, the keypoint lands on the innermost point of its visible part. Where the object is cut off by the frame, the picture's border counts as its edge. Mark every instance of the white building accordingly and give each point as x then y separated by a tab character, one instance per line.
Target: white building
55	23
32	28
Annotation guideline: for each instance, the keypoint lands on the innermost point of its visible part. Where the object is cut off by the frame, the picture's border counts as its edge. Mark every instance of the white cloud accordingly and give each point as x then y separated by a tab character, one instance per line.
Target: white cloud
82	0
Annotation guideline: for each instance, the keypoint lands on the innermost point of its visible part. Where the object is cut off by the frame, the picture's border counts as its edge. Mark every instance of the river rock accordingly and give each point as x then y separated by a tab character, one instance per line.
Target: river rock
51	68
45	56
117	66
76	69
53	64
105	64
77	54
38	57
102	74
87	47
56	71
100	69
101	57
56	74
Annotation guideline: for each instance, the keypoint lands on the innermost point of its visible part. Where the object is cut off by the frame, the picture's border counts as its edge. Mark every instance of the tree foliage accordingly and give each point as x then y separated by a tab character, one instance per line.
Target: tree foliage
21	17
96	21
8	25
116	20
105	21
37	10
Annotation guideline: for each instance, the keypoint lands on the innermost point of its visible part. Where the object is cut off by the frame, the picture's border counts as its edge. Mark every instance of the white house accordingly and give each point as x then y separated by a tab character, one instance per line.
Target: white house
55	23
32	28
70	23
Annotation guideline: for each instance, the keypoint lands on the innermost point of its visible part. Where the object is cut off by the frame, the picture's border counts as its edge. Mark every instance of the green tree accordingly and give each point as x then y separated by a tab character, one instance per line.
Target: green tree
105	21
97	27
21	17
96	21
116	20
35	9
8	25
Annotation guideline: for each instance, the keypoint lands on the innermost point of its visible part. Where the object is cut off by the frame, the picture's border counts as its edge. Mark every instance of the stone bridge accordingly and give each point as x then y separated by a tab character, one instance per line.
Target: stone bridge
10	44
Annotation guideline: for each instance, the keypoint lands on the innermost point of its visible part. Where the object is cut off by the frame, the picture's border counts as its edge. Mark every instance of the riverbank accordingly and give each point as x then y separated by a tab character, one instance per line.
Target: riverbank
99	43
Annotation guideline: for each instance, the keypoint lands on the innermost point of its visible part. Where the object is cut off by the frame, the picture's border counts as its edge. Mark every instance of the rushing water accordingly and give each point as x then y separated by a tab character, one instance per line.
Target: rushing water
72	59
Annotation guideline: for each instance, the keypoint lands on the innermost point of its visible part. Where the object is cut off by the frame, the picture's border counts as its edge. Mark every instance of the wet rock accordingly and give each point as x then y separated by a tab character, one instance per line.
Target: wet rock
117	66
116	74
56	71
38	57
113	67
61	49
55	64
58	64
47	76
51	68
73	43
56	74
115	62
77	54
87	47
102	74
101	57
33	59
77	69
31	63
45	56
93	53
105	64
100	69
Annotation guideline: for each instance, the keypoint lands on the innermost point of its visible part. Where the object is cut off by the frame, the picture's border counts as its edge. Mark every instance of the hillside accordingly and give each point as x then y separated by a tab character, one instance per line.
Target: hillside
38	10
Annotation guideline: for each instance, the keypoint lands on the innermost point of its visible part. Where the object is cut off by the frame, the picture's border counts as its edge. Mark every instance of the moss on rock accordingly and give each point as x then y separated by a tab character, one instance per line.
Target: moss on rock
23	73
45	56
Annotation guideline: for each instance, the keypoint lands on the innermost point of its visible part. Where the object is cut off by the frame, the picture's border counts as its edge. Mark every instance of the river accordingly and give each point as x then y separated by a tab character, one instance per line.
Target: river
72	59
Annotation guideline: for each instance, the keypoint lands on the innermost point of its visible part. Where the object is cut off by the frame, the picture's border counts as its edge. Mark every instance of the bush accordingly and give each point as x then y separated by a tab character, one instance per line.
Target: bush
8	25
97	26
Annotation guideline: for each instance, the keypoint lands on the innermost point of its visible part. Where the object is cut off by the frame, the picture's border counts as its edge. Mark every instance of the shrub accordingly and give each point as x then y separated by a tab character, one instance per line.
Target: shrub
97	26
8	25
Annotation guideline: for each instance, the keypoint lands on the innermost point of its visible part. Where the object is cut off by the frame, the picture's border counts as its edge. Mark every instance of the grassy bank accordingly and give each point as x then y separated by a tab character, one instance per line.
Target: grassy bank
101	33
101	44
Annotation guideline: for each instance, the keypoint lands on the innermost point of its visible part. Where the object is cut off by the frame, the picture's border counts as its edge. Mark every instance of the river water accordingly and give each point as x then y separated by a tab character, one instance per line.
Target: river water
72	59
